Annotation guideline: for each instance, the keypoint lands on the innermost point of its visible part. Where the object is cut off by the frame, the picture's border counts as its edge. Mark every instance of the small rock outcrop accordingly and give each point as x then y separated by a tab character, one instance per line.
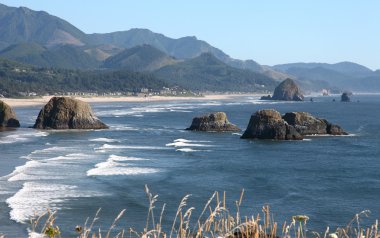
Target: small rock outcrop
306	124
268	124
212	122
67	113
7	116
346	97
286	91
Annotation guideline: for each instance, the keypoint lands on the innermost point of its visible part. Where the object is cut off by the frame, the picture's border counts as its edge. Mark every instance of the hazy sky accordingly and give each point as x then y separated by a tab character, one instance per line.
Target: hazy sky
270	32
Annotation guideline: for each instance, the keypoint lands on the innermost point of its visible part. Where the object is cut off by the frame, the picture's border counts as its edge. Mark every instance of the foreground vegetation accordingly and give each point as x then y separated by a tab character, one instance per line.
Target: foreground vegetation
215	220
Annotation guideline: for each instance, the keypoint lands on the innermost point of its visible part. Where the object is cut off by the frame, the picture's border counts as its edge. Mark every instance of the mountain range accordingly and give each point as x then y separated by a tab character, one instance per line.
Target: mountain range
40	39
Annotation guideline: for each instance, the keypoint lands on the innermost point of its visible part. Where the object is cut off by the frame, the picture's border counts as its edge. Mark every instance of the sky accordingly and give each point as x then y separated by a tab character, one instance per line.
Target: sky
269	32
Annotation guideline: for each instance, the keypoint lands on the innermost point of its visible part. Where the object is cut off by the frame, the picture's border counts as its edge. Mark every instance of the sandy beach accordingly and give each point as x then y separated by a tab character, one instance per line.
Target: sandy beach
43	100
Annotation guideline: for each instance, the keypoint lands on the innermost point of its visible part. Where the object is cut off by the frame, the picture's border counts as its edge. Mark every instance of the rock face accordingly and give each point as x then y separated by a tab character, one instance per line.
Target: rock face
287	91
345	97
7	116
212	122
268	124
306	124
67	113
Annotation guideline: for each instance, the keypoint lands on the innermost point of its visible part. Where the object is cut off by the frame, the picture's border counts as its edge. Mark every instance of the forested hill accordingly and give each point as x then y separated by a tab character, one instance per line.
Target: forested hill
18	79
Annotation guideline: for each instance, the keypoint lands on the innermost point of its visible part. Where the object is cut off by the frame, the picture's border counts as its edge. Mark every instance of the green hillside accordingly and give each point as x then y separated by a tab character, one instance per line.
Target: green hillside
139	58
21	24
207	73
65	56
18	79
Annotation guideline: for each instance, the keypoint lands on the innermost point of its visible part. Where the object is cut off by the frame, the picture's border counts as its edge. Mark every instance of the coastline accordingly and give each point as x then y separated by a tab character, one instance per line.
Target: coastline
29	102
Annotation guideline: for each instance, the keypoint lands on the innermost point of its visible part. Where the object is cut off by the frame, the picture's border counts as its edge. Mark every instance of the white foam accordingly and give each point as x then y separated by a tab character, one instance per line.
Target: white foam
139	111
124	158
329	135
188	143
35	197
109	171
237	134
52	149
45	169
124	128
186	150
113	147
184	144
108	140
113	167
211	104
21	136
12	139
191	141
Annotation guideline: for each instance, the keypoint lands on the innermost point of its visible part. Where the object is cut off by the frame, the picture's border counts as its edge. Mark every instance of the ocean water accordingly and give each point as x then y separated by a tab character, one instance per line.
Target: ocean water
328	178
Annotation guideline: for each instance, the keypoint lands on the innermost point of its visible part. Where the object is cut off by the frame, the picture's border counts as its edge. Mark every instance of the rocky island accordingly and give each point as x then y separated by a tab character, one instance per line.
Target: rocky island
306	124
346	97
269	124
7	116
288	90
216	122
67	113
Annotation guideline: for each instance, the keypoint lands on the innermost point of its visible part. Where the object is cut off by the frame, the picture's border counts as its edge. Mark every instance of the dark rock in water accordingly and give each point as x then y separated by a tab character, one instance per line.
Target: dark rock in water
266	97
7	116
212	122
268	124
67	113
306	124
335	130
346	97
287	91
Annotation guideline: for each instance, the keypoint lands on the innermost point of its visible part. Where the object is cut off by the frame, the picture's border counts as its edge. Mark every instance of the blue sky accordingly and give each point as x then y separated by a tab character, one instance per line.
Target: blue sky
270	32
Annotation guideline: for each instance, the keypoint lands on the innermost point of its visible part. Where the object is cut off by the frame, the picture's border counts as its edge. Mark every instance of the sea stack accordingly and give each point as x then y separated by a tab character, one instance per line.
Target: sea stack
306	124
7	116
346	97
268	124
288	90
216	122
67	113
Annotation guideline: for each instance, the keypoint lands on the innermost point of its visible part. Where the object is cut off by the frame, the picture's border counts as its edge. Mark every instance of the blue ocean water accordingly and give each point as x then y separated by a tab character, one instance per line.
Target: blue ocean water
328	178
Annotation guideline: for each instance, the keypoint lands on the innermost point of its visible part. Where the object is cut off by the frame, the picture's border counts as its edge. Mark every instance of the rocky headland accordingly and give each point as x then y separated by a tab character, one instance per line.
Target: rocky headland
216	121
67	113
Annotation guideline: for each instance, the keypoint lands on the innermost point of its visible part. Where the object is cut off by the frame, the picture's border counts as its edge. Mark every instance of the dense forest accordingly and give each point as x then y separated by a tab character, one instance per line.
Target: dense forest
19	80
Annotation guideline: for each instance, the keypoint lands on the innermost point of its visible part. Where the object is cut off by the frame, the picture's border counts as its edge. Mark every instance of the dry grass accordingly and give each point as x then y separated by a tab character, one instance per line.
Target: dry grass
214	221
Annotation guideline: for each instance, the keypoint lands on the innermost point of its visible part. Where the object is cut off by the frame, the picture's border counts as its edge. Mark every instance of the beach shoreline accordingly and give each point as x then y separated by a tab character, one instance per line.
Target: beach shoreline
29	102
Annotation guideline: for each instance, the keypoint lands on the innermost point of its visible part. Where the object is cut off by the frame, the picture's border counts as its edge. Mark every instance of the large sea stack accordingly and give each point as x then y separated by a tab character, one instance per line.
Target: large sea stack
286	91
268	124
67	113
7	116
306	124
212	122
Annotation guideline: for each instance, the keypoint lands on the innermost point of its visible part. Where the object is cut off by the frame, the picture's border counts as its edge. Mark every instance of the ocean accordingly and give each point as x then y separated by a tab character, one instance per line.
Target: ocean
328	178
